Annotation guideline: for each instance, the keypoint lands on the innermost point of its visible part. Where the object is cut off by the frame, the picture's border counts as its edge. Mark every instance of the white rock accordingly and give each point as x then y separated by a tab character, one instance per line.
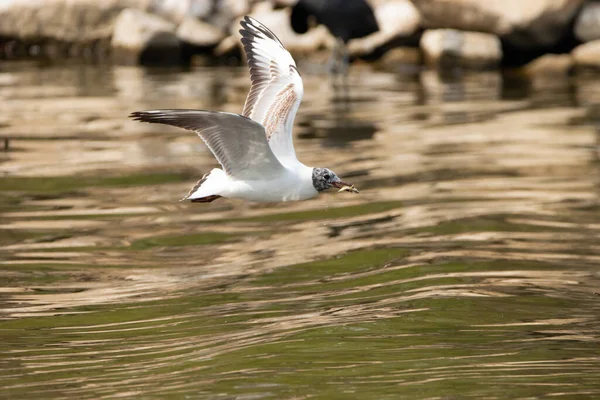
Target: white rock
73	21
236	7
550	65
587	55
199	33
278	21
177	10
138	34
453	48
396	19
225	12
523	23
587	26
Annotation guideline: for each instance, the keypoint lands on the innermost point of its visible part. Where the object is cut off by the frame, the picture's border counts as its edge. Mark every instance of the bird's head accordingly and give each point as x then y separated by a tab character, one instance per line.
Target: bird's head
324	178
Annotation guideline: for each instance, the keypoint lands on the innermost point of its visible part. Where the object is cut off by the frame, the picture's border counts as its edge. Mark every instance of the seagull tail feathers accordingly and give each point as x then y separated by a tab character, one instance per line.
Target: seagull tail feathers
208	188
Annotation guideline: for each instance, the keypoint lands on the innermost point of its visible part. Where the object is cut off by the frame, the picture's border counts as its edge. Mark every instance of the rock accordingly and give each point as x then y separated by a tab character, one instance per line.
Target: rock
284	3
225	12
399	57
228	46
587	55
587	26
310	43
199	33
141	38
396	19
447	48
73	21
550	65
522	23
177	10
218	13
236	7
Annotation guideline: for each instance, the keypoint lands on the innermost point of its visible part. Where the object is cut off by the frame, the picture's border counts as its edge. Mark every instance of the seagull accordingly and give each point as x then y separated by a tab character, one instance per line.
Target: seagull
255	149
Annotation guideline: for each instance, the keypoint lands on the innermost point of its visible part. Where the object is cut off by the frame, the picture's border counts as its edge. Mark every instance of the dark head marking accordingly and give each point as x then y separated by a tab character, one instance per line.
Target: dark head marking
323	178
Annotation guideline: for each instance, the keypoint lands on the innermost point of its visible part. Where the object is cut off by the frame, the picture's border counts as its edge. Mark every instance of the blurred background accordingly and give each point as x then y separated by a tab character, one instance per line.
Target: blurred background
467	267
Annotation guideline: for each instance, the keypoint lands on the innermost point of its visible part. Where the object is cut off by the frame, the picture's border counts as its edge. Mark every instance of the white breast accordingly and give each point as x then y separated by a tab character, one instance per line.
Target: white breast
294	184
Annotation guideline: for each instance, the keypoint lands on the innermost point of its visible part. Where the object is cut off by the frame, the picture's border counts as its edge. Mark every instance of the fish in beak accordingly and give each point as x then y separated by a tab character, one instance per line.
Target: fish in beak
345	187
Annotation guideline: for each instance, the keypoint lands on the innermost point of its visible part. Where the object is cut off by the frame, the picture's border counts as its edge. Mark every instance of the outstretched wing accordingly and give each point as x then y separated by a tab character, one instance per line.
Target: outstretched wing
238	143
276	90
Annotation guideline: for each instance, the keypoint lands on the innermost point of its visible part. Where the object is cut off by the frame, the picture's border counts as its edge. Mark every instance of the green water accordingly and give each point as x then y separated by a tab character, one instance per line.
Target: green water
467	267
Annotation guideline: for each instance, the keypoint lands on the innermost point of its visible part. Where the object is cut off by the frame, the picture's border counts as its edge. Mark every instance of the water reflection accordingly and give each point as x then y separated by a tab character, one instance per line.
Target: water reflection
466	267
340	125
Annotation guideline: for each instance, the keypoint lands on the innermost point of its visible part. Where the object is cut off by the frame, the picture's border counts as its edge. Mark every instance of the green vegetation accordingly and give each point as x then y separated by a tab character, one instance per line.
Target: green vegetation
184	240
71	183
489	223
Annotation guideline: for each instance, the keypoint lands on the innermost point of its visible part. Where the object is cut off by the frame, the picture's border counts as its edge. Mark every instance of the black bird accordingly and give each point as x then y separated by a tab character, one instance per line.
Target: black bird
345	19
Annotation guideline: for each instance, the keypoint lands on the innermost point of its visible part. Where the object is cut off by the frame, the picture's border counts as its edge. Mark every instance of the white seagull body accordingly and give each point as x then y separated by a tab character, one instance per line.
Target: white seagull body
255	149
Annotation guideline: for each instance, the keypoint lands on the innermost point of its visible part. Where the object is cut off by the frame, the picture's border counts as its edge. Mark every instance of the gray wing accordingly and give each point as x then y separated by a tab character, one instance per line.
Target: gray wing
239	144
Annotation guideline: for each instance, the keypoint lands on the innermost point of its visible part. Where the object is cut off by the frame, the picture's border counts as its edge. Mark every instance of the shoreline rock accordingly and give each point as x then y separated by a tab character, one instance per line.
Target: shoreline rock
73	21
142	38
587	55
587	25
198	33
309	44
524	24
397	20
450	48
550	65
473	34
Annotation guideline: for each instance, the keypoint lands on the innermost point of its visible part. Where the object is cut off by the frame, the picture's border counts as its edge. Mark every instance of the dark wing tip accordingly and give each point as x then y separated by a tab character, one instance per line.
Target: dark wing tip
136	115
245	24
249	21
252	28
148	116
181	118
184	118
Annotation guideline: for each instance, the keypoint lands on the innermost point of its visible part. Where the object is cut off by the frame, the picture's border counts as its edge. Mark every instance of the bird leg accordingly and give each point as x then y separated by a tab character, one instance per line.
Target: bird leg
331	62
334	64
344	59
338	66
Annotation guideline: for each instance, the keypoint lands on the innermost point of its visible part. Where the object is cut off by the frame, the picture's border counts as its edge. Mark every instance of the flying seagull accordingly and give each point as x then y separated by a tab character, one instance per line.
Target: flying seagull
255	149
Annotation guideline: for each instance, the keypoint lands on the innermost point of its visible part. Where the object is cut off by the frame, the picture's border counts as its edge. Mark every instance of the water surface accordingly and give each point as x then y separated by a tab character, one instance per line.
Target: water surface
466	268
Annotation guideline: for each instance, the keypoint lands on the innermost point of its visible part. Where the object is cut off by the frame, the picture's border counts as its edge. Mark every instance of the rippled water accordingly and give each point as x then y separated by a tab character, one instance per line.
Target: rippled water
468	267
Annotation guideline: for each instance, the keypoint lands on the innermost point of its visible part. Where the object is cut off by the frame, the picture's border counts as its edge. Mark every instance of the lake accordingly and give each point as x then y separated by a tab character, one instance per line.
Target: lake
467	267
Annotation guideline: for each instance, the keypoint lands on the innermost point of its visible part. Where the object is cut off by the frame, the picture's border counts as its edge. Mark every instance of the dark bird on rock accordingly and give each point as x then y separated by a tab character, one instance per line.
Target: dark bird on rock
345	19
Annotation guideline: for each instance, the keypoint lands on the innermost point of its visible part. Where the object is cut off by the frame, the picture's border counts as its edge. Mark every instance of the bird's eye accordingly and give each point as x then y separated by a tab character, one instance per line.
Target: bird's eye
326	176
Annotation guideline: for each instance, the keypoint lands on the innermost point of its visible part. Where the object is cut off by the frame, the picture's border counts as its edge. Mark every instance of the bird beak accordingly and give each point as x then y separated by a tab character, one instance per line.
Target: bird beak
345	187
